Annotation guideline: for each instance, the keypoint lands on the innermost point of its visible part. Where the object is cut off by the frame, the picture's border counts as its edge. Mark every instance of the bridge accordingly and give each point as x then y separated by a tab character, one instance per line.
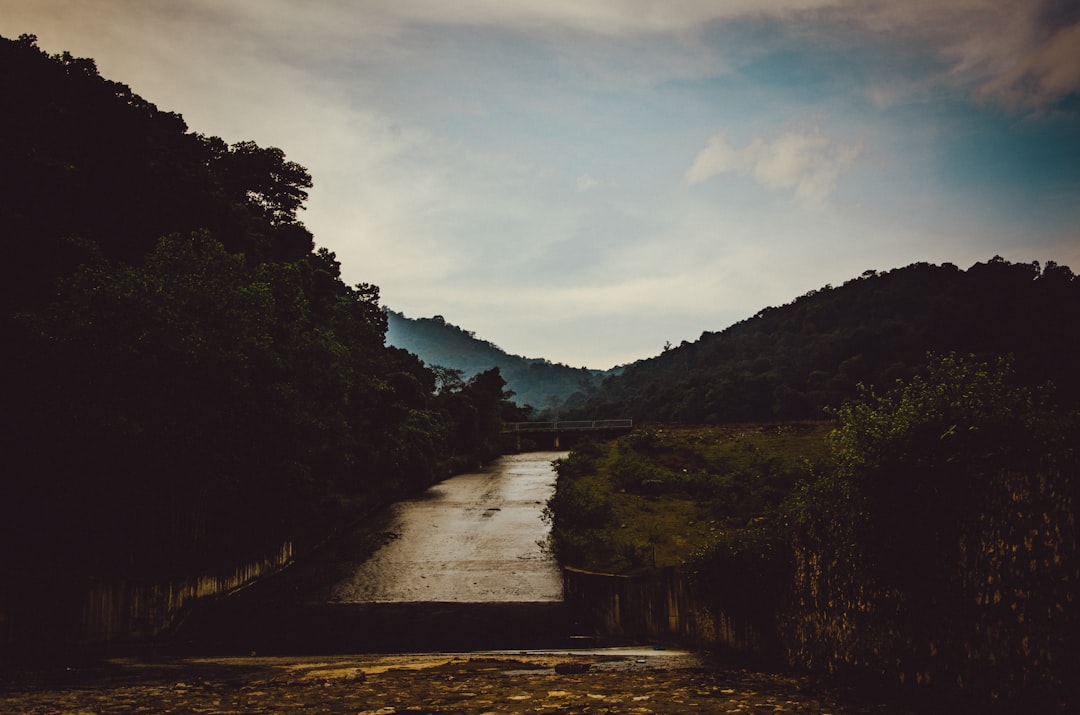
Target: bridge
556	428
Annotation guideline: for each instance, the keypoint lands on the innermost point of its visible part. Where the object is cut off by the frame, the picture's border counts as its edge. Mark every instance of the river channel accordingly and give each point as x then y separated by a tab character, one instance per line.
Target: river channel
473	538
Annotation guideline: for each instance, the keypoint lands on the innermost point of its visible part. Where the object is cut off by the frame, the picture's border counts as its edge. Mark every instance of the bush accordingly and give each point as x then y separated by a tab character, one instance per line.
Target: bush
940	548
629	471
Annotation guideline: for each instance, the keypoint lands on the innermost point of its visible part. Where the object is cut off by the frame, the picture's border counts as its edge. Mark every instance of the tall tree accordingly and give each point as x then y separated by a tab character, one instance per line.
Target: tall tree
188	381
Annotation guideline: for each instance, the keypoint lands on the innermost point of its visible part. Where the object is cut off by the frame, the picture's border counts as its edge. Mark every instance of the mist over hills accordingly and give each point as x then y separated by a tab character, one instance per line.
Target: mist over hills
545	386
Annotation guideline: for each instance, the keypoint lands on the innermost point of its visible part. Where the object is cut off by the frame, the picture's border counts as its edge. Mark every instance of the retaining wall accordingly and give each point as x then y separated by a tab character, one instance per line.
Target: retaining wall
49	613
661	607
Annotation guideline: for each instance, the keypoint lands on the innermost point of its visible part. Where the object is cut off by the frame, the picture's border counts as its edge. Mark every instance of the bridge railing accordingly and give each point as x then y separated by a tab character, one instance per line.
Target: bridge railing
568	425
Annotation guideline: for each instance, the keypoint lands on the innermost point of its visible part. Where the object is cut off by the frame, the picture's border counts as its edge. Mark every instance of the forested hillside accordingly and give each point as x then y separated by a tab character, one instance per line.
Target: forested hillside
793	361
187	381
545	386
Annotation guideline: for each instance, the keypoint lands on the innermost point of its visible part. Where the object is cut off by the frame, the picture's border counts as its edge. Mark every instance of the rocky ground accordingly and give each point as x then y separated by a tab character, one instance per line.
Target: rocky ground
605	681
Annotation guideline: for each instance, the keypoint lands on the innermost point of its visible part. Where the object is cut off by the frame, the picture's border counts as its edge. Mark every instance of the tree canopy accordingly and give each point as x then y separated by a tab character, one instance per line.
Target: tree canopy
941	548
188	381
793	361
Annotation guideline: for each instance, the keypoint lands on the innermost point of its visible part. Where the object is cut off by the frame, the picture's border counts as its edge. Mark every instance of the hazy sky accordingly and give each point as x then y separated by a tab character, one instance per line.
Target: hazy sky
583	180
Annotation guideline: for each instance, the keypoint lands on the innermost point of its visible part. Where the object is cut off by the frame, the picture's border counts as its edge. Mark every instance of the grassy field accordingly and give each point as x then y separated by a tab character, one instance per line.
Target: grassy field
662	494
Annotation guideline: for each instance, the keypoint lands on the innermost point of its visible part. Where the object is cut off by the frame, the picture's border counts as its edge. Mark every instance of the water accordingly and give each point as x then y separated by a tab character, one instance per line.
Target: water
473	538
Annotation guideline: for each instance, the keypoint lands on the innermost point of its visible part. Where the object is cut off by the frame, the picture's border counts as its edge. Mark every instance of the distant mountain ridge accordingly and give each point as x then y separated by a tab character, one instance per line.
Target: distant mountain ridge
792	362
537	382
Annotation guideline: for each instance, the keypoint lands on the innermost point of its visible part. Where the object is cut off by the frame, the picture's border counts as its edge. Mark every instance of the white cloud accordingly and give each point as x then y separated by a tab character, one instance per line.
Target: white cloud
1020	53
807	163
1045	74
586	182
1011	51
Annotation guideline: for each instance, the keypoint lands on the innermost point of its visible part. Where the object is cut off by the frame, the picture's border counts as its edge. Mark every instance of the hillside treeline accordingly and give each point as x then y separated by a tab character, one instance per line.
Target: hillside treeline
791	362
187	381
545	386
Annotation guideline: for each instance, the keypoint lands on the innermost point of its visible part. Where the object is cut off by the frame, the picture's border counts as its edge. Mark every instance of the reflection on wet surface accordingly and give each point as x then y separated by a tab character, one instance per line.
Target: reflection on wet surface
472	538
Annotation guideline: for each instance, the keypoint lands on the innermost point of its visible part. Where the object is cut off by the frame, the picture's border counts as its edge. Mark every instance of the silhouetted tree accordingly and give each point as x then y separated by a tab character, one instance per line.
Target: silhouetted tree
188	381
791	362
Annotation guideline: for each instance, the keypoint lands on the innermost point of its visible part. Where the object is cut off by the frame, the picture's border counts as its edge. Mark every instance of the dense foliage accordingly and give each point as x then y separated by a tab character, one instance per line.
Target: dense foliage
793	361
187	381
942	549
545	386
939	550
656	497
928	540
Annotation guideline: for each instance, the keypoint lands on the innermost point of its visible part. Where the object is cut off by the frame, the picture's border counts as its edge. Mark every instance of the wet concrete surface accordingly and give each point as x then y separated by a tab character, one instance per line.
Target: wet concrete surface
459	567
472	538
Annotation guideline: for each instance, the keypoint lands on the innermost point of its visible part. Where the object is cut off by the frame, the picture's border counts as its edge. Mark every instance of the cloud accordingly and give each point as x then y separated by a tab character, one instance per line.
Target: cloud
1046	74
612	18
1023	54
806	162
586	182
447	141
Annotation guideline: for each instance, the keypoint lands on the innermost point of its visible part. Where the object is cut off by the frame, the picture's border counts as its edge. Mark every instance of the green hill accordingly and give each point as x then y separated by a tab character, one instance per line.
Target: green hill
791	362
540	383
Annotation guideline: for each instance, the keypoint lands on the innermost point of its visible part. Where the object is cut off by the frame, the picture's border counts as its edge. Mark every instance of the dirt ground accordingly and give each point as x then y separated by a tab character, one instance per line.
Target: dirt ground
605	681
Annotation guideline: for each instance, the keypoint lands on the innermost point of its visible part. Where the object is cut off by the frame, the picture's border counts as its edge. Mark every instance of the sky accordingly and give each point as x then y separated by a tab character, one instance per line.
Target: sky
588	180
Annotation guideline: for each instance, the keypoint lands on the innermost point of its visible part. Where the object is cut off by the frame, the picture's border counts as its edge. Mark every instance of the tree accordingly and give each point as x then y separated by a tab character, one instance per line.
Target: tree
448	379
189	382
793	361
909	461
264	178
476	414
945	535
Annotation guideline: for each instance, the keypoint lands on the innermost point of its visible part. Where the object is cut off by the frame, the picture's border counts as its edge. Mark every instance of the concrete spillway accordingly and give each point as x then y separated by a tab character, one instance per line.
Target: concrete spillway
473	538
460	567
